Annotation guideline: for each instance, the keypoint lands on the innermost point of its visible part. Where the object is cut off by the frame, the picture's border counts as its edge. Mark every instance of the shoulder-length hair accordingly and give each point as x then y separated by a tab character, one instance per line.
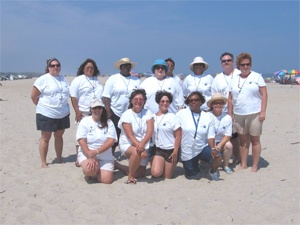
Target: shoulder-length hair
241	57
48	61
103	118
81	67
135	93
160	94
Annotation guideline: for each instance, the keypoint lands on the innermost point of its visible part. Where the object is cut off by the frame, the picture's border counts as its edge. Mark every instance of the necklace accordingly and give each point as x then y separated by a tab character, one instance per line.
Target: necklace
161	86
157	125
198	82
60	88
225	77
139	121
127	85
92	85
241	87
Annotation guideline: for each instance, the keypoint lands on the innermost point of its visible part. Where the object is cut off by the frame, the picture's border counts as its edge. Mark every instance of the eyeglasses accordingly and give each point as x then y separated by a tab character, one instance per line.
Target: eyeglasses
98	107
226	60
164	101
245	64
138	99
54	65
160	67
90	68
126	65
194	100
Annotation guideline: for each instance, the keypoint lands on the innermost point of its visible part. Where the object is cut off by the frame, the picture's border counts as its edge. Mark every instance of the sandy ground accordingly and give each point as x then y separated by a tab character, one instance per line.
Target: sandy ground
60	195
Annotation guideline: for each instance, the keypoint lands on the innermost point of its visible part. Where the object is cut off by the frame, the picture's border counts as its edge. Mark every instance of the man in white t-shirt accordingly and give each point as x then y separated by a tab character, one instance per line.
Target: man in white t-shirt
117	91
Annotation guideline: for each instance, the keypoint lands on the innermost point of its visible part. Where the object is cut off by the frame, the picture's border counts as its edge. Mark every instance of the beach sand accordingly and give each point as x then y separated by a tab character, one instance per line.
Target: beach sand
60	195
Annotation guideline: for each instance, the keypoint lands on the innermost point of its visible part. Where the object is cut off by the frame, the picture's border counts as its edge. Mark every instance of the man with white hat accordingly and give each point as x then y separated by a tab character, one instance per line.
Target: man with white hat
117	91
198	81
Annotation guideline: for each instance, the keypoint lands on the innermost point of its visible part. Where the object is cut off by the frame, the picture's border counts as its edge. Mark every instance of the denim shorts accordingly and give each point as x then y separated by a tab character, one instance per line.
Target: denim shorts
191	166
45	123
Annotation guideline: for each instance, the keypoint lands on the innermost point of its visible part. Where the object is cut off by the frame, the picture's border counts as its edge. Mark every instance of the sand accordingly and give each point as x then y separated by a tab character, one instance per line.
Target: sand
60	195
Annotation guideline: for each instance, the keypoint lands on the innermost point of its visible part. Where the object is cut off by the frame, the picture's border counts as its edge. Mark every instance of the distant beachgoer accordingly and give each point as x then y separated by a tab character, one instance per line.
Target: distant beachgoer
161	82
117	91
50	94
96	135
223	128
83	89
221	85
198	138
247	104
136	126
166	137
171	66
199	81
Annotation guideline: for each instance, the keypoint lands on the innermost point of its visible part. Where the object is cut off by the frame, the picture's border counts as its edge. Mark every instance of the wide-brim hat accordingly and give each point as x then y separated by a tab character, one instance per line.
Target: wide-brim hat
199	59
160	62
215	97
124	61
96	102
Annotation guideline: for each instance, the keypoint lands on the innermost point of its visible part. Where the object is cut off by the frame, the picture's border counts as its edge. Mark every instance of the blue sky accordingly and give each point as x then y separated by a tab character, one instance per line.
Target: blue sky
33	31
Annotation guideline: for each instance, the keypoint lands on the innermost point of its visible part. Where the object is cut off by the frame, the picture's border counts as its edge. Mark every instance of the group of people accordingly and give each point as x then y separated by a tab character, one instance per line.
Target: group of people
158	121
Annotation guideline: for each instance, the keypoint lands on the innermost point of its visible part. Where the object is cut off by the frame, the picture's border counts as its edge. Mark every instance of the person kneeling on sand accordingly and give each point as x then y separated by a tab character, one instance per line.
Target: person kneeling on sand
96	135
198	138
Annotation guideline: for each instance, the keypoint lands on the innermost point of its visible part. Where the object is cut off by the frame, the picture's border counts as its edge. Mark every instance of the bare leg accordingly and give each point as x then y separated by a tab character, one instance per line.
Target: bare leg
105	176
76	162
134	162
227	152
58	144
244	149
169	169
157	166
43	147
256	151
121	167
88	172
235	148
216	163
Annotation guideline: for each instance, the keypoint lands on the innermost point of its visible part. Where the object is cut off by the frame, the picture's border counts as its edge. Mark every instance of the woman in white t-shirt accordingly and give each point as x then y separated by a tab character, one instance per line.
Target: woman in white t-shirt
166	137
223	128
96	135
247	104
83	89
136	126
50	94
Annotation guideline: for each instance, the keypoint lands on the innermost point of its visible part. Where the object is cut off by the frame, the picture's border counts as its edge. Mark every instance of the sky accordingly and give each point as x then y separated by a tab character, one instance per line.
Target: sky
106	31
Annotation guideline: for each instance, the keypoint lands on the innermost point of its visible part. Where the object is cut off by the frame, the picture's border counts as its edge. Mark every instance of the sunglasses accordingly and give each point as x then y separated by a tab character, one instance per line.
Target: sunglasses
90	68
226	60
245	64
160	67
194	100
164	101
126	65
54	65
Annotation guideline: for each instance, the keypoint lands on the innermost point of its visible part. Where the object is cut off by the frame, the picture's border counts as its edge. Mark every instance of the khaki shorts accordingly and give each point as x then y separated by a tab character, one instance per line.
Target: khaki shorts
248	124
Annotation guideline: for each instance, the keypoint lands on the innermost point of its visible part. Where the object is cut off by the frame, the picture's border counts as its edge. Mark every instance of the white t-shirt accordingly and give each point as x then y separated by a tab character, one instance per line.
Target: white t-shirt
118	88
164	127
246	97
201	83
221	85
85	89
96	136
190	146
138	122
53	100
223	126
169	84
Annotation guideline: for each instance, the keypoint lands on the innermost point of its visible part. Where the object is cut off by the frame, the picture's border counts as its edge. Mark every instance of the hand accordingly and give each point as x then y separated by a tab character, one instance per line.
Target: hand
174	157
91	153
92	164
262	116
144	155
78	116
215	153
140	148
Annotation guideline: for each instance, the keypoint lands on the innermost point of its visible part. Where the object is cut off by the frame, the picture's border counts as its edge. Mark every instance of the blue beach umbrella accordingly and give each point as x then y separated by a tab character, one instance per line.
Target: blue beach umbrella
280	72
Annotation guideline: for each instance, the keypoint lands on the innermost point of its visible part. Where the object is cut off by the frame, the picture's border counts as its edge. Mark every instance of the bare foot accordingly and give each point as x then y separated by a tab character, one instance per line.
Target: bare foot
241	168
254	169
45	165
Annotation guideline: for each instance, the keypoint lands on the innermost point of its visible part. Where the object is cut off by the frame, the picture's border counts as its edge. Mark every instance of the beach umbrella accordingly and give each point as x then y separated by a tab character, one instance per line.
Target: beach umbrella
293	72
280	72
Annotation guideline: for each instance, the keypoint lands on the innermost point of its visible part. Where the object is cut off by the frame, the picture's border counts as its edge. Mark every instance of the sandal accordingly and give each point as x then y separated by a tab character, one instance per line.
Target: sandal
228	170
130	181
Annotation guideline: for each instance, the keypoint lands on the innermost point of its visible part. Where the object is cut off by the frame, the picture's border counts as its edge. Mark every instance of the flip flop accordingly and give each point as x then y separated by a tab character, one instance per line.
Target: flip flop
130	181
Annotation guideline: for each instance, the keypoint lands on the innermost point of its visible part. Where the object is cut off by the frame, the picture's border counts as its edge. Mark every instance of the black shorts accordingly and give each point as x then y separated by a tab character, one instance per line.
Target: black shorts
163	153
115	119
45	123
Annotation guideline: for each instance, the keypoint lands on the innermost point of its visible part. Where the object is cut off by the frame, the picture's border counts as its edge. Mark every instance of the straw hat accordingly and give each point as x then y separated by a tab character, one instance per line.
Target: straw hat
198	59
124	61
215	97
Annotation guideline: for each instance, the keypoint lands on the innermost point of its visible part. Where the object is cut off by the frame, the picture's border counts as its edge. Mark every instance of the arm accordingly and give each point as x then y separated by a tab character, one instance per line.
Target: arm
107	144
174	155
78	114
149	131
106	102
35	93
230	105
223	141
264	94
129	133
